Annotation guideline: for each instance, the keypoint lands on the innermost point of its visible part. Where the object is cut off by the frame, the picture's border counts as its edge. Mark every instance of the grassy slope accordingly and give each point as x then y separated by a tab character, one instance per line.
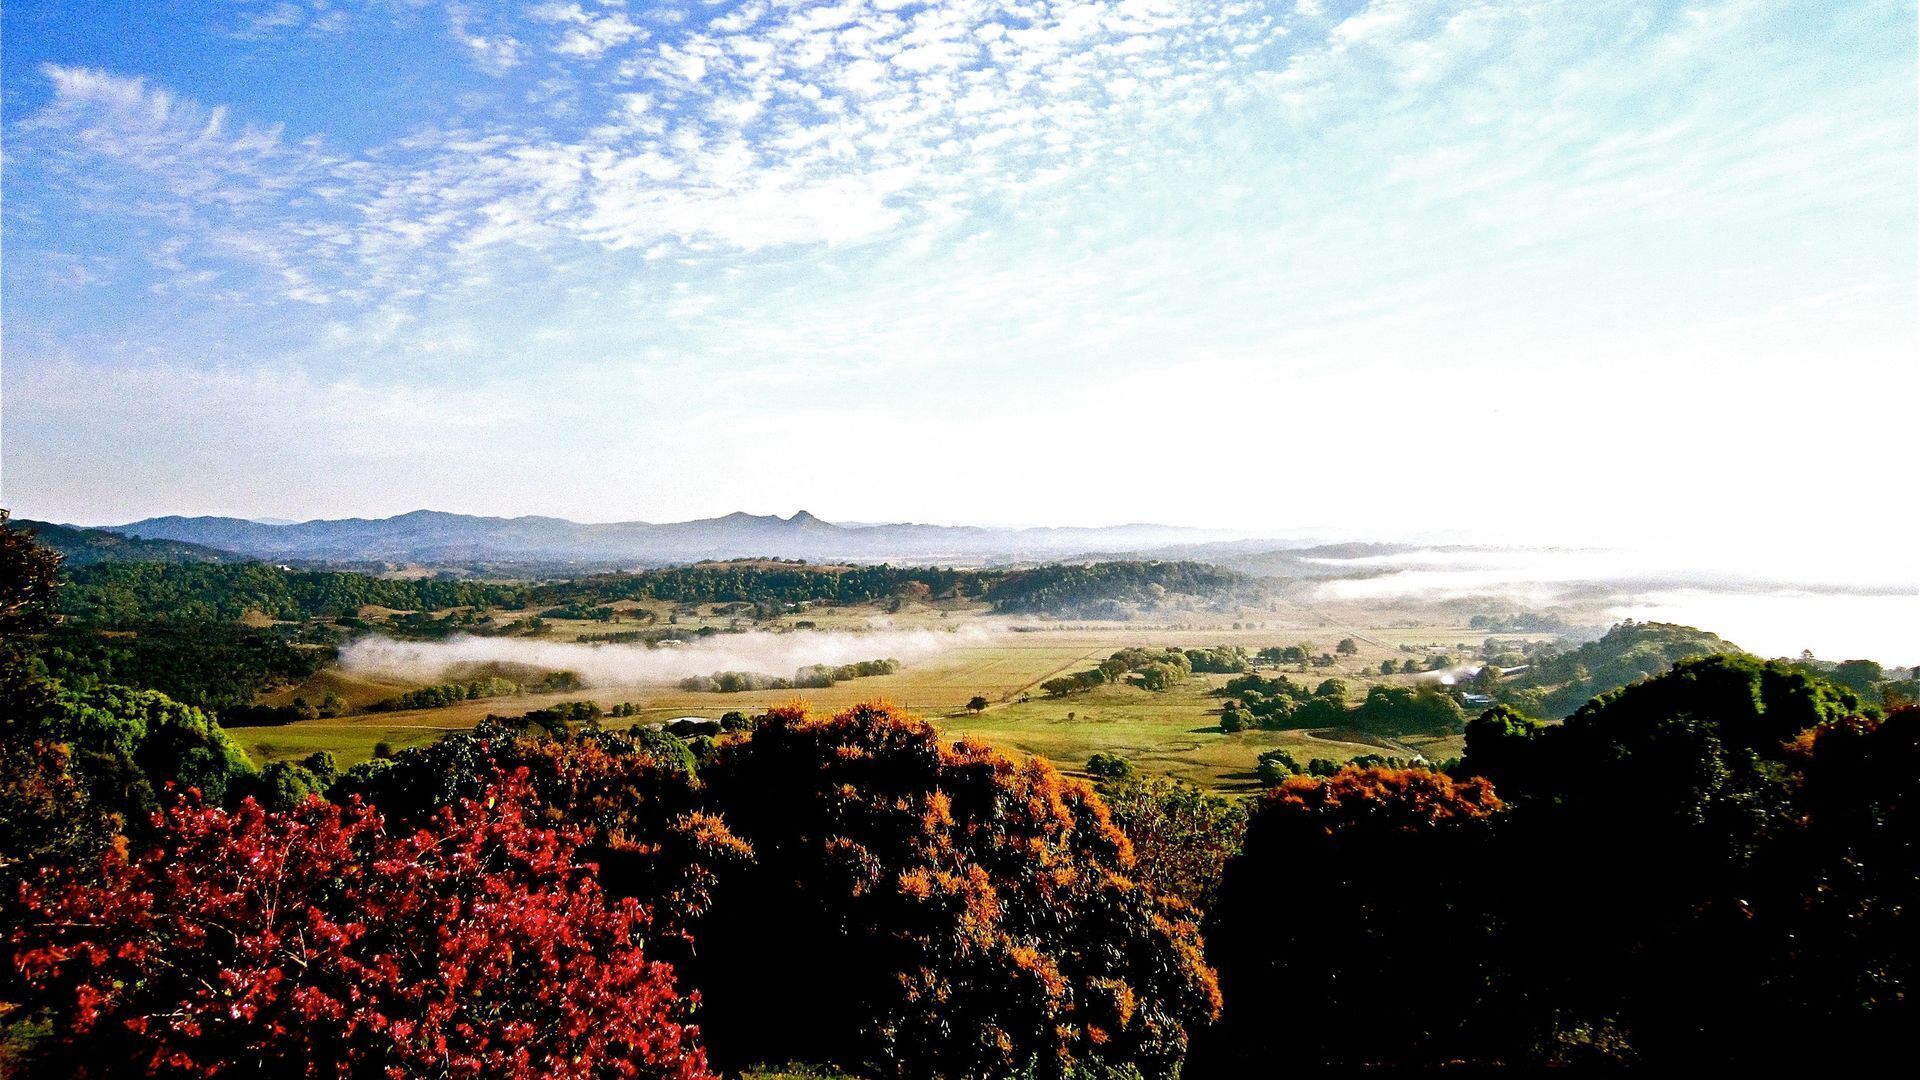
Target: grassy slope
1173	732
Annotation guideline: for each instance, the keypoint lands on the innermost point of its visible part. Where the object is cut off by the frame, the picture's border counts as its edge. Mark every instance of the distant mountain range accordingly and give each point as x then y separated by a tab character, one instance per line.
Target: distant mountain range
436	538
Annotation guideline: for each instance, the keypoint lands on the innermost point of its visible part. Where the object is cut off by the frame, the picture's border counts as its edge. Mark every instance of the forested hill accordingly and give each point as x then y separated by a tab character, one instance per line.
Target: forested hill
125	593
1072	590
122	593
85	547
765	581
1626	654
1116	589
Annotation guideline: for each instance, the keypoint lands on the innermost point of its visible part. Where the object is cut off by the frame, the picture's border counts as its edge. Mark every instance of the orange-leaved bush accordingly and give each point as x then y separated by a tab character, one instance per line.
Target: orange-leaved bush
1351	930
316	942
925	908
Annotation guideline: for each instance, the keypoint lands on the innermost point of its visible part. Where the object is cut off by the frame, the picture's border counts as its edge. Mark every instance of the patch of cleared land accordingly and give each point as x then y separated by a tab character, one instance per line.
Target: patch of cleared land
1173	732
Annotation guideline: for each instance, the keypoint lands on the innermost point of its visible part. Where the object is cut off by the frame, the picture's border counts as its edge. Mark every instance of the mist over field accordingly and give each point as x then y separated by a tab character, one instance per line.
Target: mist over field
1865	605
634	665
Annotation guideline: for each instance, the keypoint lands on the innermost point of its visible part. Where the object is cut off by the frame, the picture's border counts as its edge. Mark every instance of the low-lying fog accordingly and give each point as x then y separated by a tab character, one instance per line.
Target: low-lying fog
1841	608
637	665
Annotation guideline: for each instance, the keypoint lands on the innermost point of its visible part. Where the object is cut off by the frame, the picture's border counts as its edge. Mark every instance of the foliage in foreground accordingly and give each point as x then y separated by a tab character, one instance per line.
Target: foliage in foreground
1713	867
935	909
1340	934
856	891
1182	836
315	942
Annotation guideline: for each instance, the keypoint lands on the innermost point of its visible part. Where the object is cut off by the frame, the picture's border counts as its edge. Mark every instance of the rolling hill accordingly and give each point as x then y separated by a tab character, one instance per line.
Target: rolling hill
87	547
428	536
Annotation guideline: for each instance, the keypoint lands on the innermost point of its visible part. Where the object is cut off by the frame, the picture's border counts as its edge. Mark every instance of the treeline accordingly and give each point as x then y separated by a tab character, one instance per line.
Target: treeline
1110	589
811	677
757	582
134	593
1115	589
445	694
120	592
1152	669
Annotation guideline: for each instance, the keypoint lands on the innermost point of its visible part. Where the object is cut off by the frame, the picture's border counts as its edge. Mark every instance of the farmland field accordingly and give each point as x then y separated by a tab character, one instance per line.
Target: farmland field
1174	732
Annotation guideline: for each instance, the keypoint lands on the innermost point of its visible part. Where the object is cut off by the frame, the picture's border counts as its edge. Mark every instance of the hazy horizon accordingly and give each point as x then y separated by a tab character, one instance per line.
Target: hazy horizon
1772	602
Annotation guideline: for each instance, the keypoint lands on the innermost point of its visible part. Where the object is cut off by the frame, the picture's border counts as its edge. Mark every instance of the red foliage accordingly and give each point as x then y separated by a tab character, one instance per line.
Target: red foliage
642	821
313	942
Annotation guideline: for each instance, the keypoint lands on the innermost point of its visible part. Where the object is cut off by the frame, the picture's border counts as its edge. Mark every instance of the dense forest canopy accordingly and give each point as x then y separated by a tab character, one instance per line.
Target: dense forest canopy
217	666
127	593
123	593
1114	589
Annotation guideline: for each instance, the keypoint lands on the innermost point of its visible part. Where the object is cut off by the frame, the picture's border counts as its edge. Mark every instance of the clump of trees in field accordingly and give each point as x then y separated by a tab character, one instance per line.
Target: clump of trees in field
811	677
584	612
445	694
1520	622
1151	669
1287	654
1277	703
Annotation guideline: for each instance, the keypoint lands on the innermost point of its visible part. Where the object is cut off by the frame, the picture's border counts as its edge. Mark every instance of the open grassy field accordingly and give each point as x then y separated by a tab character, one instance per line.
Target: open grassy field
1174	732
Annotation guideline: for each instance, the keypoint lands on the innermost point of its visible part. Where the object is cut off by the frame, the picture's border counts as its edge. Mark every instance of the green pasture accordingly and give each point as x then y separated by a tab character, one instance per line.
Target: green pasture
1175	732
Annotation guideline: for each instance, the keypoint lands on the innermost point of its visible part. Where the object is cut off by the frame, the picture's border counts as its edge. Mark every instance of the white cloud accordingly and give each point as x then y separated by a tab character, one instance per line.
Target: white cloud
588	35
1055	209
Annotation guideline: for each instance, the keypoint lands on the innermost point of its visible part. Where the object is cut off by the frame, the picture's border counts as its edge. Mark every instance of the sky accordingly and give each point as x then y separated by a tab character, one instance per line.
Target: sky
1581	271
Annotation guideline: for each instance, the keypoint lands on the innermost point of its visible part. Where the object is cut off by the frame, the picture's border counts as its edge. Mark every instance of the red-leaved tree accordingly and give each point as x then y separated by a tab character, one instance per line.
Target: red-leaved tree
314	942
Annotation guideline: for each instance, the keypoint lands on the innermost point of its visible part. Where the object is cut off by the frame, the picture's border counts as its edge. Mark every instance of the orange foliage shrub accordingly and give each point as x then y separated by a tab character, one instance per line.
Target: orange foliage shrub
1351	931
932	908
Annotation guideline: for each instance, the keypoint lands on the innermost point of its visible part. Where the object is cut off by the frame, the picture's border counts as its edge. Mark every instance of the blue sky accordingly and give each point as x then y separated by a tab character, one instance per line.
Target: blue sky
1622	270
